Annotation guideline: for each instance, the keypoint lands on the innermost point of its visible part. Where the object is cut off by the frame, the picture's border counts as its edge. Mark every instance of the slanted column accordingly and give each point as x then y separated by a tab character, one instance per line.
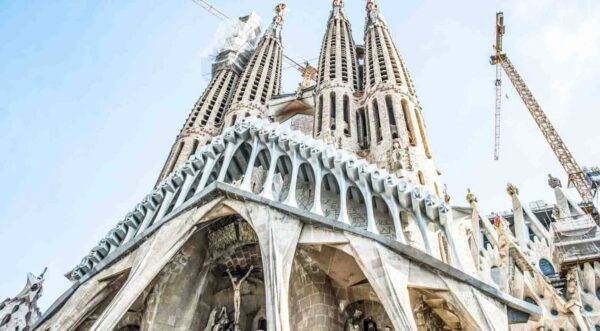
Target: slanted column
267	191
446	222
210	163
247	181
278	236
291	198
416	208
317	208
151	209
231	148
343	195
170	187
364	174
190	176
521	232
395	212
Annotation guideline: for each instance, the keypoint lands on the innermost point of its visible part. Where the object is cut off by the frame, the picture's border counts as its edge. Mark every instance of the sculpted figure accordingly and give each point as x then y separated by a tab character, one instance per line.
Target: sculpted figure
211	320
237	285
223	321
353	322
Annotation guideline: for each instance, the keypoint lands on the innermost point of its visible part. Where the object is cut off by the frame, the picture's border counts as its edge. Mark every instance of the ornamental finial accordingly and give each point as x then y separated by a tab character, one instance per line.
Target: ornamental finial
279	10
471	198
446	195
553	181
338	3
511	189
371	5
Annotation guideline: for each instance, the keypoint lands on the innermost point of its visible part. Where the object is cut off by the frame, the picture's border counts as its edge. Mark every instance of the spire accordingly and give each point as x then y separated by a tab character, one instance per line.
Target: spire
261	79
395	126
206	118
337	82
274	29
21	312
338	10
373	14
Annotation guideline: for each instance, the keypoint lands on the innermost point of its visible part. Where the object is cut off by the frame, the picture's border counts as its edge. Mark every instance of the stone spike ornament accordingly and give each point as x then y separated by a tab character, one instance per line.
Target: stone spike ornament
22	312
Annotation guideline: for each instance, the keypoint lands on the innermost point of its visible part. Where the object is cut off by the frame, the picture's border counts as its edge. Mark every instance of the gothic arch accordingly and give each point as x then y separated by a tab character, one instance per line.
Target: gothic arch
383	218
238	164
330	196
357	208
305	186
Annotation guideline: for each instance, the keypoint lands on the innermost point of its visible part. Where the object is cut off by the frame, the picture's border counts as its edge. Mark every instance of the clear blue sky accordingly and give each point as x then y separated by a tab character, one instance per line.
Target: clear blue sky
93	93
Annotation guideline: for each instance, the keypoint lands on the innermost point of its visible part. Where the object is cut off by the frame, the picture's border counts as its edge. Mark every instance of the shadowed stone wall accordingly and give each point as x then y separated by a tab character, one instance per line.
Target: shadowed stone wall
313	304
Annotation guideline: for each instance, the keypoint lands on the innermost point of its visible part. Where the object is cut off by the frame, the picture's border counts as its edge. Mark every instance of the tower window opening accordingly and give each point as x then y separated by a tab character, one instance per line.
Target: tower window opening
346	115
363	132
377	119
421	177
423	134
320	115
332	111
394	58
391	116
409	124
195	146
233	119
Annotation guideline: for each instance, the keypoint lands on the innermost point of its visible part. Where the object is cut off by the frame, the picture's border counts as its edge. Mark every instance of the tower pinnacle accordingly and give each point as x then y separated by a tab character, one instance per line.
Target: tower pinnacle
261	79
21	312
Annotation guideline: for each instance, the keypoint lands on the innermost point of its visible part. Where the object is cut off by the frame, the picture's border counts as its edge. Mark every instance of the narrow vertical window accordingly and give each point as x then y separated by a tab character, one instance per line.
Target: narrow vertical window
320	115
377	119
362	129
332	111
409	123
346	115
233	119
421	177
194	146
391	116
359	130
423	134
367	126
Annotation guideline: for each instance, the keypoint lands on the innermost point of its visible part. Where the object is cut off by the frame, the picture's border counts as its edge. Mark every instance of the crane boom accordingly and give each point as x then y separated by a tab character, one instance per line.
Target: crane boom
575	174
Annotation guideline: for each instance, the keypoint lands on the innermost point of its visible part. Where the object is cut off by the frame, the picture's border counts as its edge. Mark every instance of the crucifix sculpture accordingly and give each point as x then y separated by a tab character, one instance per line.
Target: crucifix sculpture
237	296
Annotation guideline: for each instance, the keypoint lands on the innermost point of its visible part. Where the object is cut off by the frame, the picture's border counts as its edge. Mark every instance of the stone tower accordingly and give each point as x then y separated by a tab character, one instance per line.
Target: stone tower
396	130
21	312
337	82
206	119
262	77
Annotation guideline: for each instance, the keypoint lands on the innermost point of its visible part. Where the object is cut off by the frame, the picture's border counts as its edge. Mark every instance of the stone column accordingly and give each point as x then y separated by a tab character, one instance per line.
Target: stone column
278	236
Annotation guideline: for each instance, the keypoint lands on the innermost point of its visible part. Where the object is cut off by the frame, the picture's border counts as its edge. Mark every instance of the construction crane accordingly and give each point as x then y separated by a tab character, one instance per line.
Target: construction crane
308	72
575	174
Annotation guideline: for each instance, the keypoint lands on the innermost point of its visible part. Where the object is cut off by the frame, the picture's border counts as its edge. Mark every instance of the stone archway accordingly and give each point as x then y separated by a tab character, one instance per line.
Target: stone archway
328	291
219	266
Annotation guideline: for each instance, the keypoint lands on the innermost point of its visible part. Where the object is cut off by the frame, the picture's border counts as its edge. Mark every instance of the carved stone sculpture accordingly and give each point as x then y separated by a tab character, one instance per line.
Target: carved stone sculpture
237	299
353	322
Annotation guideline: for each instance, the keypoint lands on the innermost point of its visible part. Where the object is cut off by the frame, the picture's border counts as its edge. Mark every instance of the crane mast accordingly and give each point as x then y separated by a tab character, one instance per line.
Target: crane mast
575	174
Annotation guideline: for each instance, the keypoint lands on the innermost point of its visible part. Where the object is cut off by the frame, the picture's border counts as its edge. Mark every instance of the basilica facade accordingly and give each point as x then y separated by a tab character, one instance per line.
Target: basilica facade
323	209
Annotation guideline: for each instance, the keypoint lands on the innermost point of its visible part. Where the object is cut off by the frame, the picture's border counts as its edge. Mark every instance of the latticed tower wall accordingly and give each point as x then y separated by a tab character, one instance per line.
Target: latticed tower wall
396	129
261	79
205	120
337	81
